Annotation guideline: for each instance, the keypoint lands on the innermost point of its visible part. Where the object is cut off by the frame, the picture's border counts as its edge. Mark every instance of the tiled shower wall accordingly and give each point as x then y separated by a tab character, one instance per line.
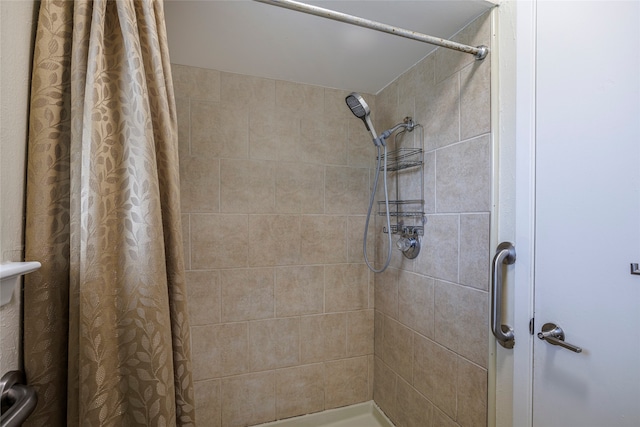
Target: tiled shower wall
431	313
275	181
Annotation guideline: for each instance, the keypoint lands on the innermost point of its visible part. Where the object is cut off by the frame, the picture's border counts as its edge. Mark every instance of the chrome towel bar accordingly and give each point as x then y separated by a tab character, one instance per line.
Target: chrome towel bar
20	399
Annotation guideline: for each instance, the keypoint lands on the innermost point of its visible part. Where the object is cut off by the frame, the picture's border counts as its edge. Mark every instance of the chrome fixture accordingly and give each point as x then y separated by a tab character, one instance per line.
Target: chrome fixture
19	399
479	52
409	246
635	269
361	110
555	335
505	255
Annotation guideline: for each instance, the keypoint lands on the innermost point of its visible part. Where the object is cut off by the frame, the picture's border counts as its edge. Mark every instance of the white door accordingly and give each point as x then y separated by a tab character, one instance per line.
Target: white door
587	199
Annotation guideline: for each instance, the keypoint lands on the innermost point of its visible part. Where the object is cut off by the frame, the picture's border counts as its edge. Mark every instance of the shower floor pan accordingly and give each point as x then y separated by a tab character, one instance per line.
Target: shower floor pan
365	414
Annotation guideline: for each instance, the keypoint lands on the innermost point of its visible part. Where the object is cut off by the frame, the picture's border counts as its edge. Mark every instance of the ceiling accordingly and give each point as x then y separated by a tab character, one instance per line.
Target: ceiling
251	38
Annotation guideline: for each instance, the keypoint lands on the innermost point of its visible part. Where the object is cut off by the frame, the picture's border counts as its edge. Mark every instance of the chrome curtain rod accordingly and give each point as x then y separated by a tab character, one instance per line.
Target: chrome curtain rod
479	52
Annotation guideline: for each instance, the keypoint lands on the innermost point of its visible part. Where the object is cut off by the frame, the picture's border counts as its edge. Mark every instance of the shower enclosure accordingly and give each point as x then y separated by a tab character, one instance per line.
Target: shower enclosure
286	318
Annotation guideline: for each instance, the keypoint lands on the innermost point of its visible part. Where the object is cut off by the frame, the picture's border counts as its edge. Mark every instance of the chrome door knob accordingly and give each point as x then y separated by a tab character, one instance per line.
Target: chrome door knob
554	335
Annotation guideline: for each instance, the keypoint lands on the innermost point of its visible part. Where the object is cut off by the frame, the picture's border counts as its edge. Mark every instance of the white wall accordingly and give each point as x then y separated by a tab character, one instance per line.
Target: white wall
17	30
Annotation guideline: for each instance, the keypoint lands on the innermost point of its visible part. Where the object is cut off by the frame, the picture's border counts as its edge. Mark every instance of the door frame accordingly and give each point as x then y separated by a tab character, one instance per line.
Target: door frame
511	390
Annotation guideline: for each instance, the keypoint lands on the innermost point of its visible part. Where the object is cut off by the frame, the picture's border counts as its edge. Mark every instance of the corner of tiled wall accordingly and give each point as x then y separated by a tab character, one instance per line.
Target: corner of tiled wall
431	343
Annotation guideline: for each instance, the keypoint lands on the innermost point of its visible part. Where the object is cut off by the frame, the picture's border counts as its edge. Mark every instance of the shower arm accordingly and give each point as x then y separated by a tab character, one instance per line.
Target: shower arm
408	124
479	52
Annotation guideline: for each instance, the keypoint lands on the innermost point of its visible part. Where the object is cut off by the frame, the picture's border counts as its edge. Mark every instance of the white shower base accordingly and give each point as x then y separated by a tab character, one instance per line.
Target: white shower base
365	414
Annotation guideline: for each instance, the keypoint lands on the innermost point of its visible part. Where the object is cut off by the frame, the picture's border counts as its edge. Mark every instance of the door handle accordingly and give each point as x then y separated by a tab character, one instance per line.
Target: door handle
555	335
505	255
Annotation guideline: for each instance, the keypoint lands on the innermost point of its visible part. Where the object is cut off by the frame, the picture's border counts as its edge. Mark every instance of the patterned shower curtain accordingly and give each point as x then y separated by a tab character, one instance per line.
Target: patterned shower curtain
106	333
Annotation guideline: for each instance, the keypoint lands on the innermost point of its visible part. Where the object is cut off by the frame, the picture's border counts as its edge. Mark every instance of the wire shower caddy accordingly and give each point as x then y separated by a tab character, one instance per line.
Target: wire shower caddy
409	214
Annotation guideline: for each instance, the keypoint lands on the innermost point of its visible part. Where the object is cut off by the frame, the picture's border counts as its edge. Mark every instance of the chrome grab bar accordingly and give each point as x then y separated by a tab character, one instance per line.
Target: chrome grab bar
21	399
505	254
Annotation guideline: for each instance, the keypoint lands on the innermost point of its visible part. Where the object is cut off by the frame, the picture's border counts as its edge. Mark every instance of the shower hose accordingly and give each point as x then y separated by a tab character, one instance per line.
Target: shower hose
386	202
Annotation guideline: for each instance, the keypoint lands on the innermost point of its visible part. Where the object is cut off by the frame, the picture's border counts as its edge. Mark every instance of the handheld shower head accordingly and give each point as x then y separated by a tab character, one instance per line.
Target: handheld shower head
361	110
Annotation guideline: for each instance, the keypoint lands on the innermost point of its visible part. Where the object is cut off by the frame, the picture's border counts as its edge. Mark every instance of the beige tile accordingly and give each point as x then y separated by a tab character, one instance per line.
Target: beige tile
442	106
186	240
430	182
273	135
439	250
474	250
475	99
440	419
434	374
219	350
199	184
346	382
475	34
386	292
274	343
208	408
386	109
383	244
407	88
336	135
253	93
324	141
247	294
346	287
378	332
248	399
361	151
323	239
299	390
384	389
360	332
372	290
247	186
299	188
397	348
409	182
370	361
272	240
472	394
299	290
203	290
463	176
335	106
416	305
300	99
323	337
413	409
346	190
355	239
218	241
195	83
218	130
426	76
461	319
183	112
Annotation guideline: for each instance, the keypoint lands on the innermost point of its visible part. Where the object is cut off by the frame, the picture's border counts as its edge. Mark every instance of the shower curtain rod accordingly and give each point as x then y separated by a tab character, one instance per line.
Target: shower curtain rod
479	52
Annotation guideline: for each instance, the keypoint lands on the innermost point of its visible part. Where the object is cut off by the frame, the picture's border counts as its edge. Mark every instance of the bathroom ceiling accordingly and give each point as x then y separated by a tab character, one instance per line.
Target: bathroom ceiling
251	38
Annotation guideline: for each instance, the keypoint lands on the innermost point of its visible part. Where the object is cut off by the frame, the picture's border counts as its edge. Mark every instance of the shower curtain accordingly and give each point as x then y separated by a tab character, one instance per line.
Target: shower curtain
106	333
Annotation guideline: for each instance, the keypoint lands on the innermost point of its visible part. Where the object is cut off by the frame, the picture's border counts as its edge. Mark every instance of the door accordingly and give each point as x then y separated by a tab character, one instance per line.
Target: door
587	198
